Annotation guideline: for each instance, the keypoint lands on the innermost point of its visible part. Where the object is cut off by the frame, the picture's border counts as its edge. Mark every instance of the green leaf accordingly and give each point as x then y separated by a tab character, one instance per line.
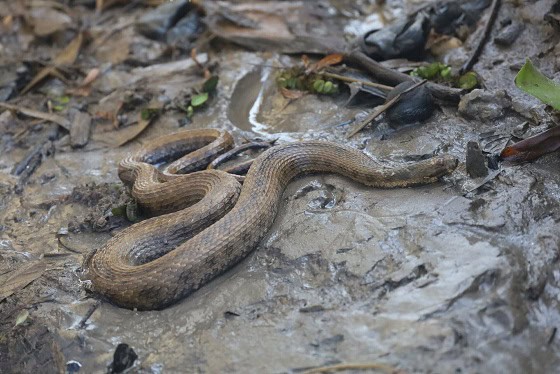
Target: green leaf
468	81
535	83
119	211
148	113
22	317
210	84
198	100
318	85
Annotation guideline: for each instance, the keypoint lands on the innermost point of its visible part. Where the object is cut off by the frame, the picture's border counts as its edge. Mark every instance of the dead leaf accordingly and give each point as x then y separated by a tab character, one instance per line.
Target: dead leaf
69	54
46	20
439	45
41	115
115	49
291	94
66	57
272	29
20	278
22	317
84	89
101	5
128	134
329	60
534	147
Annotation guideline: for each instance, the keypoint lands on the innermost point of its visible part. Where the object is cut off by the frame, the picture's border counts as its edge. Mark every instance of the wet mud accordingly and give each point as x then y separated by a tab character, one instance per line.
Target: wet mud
456	277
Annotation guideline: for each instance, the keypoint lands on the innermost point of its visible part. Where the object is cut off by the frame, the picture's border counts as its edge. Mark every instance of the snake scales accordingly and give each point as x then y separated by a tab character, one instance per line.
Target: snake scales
210	222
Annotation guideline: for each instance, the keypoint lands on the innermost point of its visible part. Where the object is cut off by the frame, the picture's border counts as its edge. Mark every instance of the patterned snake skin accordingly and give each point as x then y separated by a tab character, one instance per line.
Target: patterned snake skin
209	221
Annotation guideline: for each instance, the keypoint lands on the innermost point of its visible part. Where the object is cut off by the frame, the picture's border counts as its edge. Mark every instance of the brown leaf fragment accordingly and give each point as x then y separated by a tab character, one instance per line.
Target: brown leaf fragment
329	60
66	57
18	279
84	89
37	114
534	147
130	133
291	94
46	20
81	128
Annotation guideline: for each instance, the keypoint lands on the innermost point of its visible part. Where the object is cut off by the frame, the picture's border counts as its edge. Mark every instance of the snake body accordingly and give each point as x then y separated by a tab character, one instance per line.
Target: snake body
211	223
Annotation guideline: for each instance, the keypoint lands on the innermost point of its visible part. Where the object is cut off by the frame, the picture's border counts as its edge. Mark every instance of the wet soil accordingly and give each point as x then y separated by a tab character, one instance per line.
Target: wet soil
457	277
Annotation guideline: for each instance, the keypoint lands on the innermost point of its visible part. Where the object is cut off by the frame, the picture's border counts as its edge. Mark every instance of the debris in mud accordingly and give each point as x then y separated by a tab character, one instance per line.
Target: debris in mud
413	106
84	78
101	199
484	104
509	33
404	39
73	367
20	278
475	161
123	359
534	147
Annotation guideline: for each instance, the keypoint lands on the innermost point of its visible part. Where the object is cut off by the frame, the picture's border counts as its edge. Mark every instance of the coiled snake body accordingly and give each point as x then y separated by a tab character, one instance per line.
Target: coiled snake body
210	222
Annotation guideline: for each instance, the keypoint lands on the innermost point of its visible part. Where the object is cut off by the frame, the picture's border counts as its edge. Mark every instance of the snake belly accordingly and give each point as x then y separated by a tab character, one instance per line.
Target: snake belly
214	223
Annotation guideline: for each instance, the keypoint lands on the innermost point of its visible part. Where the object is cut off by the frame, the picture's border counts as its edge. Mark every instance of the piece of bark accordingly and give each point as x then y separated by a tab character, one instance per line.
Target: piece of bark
80	128
476	162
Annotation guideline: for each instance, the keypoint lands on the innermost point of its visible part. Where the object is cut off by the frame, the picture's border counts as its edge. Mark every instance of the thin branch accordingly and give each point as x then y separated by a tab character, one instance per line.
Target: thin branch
381	109
393	77
352	80
369	366
482	42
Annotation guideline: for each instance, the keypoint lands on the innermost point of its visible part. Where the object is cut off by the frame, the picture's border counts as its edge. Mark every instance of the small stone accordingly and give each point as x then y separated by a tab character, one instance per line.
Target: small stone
73	366
484	104
413	106
476	164
509	34
155	23
123	358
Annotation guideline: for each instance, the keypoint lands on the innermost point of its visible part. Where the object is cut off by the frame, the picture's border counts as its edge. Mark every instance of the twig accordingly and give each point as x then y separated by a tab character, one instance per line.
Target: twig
382	108
37	114
90	311
393	77
482	42
353	80
338	367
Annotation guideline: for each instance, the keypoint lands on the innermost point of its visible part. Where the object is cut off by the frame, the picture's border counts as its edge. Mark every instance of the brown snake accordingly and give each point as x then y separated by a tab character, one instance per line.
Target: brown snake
211	223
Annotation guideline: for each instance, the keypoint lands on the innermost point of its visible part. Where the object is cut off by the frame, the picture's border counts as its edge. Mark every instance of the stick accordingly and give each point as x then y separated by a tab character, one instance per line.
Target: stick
381	367
482	42
382	108
352	80
393	77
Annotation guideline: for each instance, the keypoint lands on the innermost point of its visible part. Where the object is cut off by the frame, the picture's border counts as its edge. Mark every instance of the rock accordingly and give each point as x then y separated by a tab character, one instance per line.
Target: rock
484	105
404	39
476	165
414	106
81	128
186	30
509	34
154	24
123	358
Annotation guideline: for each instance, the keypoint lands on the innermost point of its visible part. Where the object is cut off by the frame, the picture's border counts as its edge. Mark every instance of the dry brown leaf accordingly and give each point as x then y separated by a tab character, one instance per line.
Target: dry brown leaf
134	130
291	94
66	57
84	89
534	147
37	114
329	60
69	54
18	279
47	20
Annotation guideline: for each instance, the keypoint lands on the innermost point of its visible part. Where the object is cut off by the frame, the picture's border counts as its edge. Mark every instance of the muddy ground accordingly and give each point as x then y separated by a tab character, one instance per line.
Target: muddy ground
457	277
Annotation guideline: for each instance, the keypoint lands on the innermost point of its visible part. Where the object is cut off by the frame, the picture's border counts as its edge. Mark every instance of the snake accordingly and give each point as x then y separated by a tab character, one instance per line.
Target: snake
203	222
